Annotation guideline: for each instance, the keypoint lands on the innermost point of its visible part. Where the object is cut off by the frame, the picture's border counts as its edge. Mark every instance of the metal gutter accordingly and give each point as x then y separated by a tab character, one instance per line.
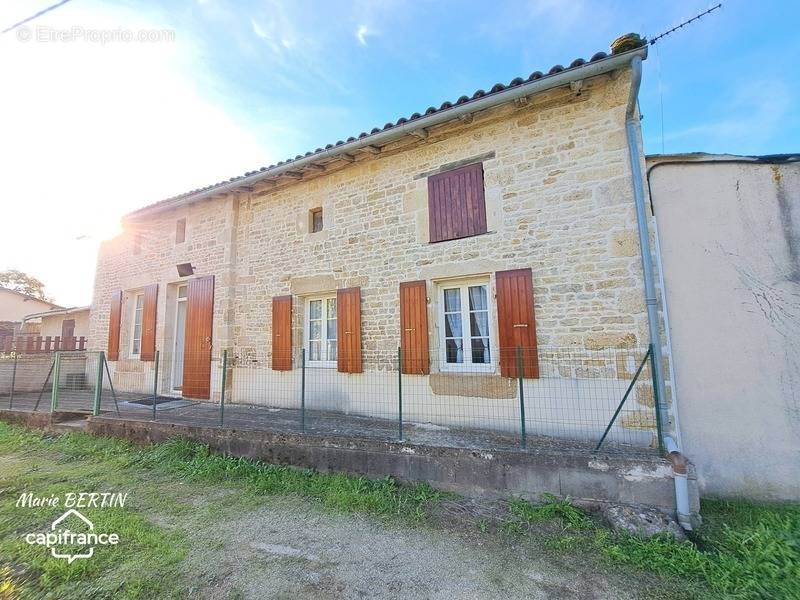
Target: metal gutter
562	78
677	459
651	299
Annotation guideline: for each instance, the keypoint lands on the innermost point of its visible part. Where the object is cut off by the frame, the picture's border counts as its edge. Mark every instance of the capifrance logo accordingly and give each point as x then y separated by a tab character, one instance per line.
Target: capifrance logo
72	535
68	544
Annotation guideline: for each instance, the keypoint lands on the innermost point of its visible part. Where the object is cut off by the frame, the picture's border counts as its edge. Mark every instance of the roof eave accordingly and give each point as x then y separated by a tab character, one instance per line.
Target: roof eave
548	82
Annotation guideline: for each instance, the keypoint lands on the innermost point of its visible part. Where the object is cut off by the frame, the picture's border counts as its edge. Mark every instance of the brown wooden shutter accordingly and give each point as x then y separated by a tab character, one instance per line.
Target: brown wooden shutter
197	339
414	327
148	348
516	322
456	204
282	333
348	324
113	326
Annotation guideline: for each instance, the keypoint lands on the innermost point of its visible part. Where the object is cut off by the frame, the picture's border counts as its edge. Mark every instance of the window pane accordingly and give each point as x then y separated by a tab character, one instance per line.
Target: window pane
452	300
315	330
315	309
331	329
477	297
480	350
331	349
454	351
479	324
452	325
182	292
314	350
331	308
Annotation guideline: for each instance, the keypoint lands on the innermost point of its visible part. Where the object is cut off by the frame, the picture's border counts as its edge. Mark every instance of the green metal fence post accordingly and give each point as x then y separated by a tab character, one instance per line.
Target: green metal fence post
222	393
98	383
13	381
400	392
155	383
624	397
656	401
56	381
520	374
303	389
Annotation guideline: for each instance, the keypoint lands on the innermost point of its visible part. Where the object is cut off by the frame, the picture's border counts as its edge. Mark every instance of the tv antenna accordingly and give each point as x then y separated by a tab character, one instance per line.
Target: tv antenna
685	23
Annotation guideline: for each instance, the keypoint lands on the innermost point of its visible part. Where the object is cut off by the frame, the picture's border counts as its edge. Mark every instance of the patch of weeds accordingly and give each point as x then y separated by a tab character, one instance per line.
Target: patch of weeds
9	585
745	550
523	514
347	493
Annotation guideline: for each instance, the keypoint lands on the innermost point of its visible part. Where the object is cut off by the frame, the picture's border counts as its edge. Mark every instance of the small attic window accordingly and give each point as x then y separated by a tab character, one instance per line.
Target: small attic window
315	220
180	231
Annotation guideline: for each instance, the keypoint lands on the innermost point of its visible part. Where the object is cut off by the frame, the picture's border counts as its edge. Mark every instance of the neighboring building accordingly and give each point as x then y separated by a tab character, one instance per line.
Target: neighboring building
65	323
440	232
13	308
729	229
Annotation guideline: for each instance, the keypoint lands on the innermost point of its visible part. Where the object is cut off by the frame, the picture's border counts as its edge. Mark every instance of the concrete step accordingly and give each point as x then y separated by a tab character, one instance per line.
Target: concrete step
71	425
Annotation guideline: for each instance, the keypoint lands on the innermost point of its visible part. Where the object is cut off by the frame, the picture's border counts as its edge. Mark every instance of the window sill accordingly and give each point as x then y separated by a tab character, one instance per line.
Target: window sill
321	364
464	237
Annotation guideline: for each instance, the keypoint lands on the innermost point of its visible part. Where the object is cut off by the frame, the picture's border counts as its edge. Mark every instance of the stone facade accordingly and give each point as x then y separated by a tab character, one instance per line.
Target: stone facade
558	200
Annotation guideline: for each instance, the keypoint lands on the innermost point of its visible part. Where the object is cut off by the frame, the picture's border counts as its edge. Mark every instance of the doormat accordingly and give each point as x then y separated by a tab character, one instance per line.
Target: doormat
149	400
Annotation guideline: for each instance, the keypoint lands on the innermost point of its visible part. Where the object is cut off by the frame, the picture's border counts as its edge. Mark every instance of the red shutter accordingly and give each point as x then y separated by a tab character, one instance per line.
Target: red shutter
282	333
197	339
113	326
456	204
148	350
414	327
516	322
348	325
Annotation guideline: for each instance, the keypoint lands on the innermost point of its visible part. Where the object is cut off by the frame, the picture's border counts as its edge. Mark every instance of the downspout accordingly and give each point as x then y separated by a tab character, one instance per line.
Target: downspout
678	461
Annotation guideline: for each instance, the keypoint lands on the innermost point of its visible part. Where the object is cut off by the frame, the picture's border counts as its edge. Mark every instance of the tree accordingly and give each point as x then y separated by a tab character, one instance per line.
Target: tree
23	283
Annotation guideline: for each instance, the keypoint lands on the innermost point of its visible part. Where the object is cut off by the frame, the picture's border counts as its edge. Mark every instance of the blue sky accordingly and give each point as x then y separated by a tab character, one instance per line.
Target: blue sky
102	128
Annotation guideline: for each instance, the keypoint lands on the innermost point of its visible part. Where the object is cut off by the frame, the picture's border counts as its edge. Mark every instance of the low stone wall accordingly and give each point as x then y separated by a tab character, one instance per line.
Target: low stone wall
640	480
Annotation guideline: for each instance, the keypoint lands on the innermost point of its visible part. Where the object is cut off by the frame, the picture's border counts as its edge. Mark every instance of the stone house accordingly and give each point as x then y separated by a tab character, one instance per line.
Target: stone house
498	221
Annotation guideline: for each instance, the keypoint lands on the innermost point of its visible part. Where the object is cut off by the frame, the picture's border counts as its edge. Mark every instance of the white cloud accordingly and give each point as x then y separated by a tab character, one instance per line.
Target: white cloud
362	33
257	30
92	131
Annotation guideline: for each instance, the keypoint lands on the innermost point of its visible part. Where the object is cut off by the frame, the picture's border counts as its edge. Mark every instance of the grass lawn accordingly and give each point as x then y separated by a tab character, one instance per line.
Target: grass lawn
202	525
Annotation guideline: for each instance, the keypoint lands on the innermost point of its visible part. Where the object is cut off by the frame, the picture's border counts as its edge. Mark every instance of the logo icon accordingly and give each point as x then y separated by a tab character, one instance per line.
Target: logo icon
65	541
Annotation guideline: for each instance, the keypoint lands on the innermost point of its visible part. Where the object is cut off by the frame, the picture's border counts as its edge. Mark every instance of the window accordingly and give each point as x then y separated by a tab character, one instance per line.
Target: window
464	328
456	204
321	330
315	219
180	231
136	337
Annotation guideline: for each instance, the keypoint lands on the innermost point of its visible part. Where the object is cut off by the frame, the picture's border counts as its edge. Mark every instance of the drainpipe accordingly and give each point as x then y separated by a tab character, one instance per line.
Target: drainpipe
680	472
678	461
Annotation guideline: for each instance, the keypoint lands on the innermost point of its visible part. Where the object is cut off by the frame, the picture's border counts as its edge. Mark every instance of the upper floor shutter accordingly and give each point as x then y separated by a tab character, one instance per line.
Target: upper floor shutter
282	333
113	326
348	342
414	328
516	323
148	348
456	203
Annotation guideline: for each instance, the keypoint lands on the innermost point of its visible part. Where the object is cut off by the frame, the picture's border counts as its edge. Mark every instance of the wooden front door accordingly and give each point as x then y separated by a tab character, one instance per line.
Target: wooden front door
197	339
67	328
